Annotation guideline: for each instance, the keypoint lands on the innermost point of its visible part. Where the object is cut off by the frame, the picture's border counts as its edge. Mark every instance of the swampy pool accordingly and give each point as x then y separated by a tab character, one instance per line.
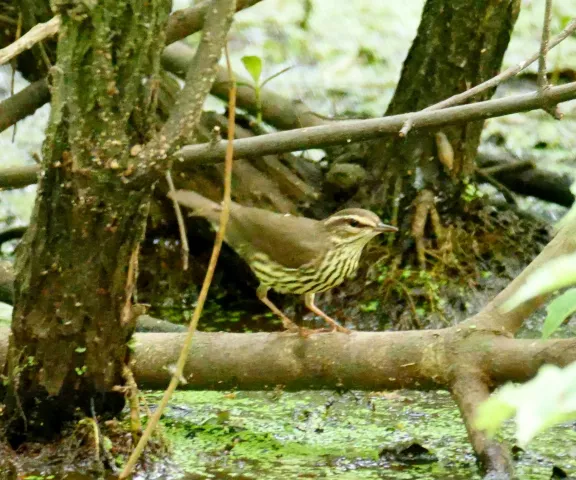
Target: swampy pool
353	435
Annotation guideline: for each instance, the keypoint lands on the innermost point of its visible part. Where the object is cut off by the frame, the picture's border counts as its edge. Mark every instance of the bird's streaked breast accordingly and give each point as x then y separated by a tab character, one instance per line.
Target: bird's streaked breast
331	270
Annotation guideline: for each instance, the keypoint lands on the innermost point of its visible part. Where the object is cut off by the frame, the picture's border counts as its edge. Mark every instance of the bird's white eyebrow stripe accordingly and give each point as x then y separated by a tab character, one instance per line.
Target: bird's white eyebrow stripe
345	218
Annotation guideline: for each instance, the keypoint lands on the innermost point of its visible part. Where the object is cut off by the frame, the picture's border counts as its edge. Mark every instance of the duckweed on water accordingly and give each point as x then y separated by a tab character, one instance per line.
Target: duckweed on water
405	435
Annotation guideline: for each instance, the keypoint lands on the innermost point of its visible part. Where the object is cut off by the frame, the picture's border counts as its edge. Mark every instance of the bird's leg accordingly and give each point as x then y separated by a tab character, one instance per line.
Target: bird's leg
289	325
309	302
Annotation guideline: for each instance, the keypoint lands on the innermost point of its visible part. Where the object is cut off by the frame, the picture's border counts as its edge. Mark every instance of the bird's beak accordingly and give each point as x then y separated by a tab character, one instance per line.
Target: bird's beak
382	227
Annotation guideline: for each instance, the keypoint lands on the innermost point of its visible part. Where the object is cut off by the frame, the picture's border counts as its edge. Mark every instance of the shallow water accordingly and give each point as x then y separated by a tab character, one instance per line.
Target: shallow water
396	435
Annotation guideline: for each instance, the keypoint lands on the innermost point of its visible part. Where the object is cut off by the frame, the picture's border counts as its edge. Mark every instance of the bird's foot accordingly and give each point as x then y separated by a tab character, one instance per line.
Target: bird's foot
340	328
291	328
304	332
334	327
295	329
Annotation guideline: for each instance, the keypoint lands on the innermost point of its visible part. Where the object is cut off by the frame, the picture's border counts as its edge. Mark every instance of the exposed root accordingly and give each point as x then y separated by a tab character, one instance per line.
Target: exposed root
422	205
425	212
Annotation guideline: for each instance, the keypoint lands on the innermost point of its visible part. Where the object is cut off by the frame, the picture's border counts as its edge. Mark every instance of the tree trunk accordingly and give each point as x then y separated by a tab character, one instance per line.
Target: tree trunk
75	267
459	44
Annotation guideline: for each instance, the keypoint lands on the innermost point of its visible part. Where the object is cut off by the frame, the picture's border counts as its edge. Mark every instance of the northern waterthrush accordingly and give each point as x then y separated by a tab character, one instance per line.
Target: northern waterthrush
291	254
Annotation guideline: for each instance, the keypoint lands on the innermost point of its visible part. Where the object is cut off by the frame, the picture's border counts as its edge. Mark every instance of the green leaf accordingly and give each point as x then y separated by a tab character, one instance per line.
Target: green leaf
492	414
371	306
253	66
553	275
558	310
546	400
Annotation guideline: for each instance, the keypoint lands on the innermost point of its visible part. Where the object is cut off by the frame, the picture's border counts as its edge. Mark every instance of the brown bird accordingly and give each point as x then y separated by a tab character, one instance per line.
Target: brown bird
291	254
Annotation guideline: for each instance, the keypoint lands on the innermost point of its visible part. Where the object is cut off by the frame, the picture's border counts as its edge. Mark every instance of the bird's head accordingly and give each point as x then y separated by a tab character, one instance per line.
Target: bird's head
355	226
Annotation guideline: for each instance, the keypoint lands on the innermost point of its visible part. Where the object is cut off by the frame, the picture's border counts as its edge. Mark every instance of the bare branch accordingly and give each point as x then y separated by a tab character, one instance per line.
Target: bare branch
190	20
18	177
23	103
344	132
36	34
12	233
370	361
181	225
518	360
546	185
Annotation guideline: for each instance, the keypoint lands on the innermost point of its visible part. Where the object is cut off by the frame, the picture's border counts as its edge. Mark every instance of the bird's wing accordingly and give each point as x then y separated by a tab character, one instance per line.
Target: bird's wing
285	239
288	240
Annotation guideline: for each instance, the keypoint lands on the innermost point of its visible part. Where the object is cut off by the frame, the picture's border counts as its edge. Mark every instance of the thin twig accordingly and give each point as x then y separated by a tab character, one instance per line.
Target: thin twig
504	190
411	303
543	84
97	436
13	78
133	396
181	226
179	368
406	128
99	447
36	34
542	73
494	81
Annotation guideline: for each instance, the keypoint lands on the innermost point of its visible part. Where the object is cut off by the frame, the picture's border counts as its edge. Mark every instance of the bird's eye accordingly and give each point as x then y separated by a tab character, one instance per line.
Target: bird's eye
354	223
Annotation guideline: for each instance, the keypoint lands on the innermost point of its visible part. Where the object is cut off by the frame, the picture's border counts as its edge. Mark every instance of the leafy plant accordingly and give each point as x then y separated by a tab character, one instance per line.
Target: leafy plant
559	310
253	65
546	400
550	397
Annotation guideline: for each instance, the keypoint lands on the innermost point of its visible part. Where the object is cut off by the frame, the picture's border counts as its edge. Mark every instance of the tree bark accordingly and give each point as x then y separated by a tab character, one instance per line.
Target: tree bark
76	264
459	44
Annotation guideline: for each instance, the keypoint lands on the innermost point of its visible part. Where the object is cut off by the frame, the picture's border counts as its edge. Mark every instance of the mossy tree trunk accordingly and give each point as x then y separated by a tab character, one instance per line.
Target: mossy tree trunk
75	267
459	44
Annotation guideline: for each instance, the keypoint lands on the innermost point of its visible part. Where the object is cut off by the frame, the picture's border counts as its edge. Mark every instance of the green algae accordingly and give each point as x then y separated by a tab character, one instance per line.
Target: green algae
326	435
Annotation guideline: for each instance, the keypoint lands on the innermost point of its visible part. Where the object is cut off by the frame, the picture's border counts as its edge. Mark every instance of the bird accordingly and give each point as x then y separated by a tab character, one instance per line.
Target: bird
292	254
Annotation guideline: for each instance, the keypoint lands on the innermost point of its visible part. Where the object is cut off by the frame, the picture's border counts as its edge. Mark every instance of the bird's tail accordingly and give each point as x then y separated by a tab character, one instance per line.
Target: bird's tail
200	206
